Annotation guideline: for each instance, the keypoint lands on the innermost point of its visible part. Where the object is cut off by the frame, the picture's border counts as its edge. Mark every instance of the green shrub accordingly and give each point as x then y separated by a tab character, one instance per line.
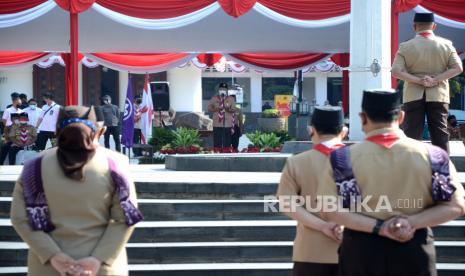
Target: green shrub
271	113
254	138
283	136
185	138
160	138
264	141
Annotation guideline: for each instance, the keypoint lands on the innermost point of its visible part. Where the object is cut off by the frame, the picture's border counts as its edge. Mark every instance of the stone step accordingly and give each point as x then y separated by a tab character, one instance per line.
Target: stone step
227	231
15	253
179	210
196	210
227	269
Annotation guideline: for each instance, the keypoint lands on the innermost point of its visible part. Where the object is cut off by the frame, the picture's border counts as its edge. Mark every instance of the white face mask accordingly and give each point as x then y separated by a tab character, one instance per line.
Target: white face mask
222	92
33	106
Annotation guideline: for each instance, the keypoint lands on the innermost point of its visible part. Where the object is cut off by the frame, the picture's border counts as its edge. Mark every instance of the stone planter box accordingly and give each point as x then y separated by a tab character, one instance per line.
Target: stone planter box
271	124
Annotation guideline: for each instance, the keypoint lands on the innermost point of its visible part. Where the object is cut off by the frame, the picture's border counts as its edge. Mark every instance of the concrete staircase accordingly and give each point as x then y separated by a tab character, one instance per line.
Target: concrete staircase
208	223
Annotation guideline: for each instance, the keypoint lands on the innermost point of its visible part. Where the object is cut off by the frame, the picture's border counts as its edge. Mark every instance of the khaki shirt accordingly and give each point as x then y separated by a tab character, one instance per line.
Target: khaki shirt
401	173
87	215
213	106
301	176
426	56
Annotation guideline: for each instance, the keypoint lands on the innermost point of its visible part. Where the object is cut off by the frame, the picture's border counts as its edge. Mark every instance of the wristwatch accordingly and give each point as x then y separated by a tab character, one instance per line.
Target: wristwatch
377	227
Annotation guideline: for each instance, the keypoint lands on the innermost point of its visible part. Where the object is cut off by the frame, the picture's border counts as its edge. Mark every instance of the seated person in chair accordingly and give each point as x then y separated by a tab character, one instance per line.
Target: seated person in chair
21	135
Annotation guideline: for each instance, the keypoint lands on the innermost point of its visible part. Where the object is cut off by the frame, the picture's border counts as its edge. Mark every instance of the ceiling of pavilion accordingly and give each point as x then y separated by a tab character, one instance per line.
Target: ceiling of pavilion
218	32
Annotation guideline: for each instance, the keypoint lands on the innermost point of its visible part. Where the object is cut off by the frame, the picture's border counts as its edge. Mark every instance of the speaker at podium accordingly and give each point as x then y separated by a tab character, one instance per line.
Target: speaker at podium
160	95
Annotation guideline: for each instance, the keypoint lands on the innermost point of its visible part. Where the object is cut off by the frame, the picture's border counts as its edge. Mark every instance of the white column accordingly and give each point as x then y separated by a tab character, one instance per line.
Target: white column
321	89
15	80
256	92
185	89
123	87
370	38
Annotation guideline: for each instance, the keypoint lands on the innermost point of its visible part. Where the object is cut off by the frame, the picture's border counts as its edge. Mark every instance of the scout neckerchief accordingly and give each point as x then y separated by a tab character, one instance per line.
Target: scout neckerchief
327	148
36	203
425	34
221	112
347	187
386	140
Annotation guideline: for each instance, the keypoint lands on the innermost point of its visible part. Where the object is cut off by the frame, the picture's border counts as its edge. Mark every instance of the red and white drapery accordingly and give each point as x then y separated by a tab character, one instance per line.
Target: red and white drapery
166	14
151	63
447	12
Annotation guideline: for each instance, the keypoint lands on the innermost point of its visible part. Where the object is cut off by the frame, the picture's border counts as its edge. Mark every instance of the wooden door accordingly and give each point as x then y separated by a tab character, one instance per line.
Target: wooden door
97	82
50	79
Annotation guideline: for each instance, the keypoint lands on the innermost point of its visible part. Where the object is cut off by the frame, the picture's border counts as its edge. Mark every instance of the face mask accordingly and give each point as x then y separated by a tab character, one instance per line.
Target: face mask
222	92
33	106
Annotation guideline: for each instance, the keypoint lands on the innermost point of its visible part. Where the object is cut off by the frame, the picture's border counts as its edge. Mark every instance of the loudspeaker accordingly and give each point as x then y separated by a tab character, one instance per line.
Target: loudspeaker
160	96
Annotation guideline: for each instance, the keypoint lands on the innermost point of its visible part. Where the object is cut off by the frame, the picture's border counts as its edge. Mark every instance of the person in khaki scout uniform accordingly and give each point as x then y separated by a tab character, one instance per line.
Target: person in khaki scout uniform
406	186
223	108
73	206
425	63
316	241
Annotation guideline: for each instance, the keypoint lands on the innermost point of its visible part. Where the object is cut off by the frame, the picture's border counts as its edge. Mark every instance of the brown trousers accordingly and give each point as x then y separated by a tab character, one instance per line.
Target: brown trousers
316	269
436	114
363	254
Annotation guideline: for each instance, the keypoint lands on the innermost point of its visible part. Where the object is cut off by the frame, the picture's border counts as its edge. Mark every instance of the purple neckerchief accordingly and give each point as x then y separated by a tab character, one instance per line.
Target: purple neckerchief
36	202
442	189
344	177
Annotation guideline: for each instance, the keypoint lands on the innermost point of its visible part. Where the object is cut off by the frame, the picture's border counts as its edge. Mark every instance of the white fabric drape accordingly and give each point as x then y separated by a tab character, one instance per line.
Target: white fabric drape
89	63
300	23
46	63
442	20
157	24
15	19
140	70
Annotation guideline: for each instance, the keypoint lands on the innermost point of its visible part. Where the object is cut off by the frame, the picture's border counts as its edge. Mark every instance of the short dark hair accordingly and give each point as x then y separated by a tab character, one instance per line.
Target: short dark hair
383	117
22	96
48	95
328	129
14	95
31	100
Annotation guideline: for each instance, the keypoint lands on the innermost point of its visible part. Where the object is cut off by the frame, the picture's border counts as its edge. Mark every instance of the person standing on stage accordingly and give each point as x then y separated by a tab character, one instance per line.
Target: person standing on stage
223	108
47	122
316	241
111	116
426	63
399	186
33	112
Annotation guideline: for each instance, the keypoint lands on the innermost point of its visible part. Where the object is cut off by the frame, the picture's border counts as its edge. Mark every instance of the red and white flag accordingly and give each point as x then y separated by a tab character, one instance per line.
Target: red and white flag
147	112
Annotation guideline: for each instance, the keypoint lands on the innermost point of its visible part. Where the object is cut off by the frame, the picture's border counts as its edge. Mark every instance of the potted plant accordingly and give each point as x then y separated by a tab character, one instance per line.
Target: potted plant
271	120
185	141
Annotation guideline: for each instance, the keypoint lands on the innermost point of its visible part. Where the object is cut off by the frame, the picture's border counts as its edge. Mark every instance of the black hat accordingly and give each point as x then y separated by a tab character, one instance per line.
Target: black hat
48	95
327	116
23	114
424	17
14	95
380	100
223	85
22	96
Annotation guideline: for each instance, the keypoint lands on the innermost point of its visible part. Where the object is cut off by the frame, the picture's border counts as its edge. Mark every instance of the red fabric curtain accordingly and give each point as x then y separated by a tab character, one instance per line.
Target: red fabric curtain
236	8
140	60
14	6
279	61
18	58
75	6
209	59
451	9
155	9
343	60
308	9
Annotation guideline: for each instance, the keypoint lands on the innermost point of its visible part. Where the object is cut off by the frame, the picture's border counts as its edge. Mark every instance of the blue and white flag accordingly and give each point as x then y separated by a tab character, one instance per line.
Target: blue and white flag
127	138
